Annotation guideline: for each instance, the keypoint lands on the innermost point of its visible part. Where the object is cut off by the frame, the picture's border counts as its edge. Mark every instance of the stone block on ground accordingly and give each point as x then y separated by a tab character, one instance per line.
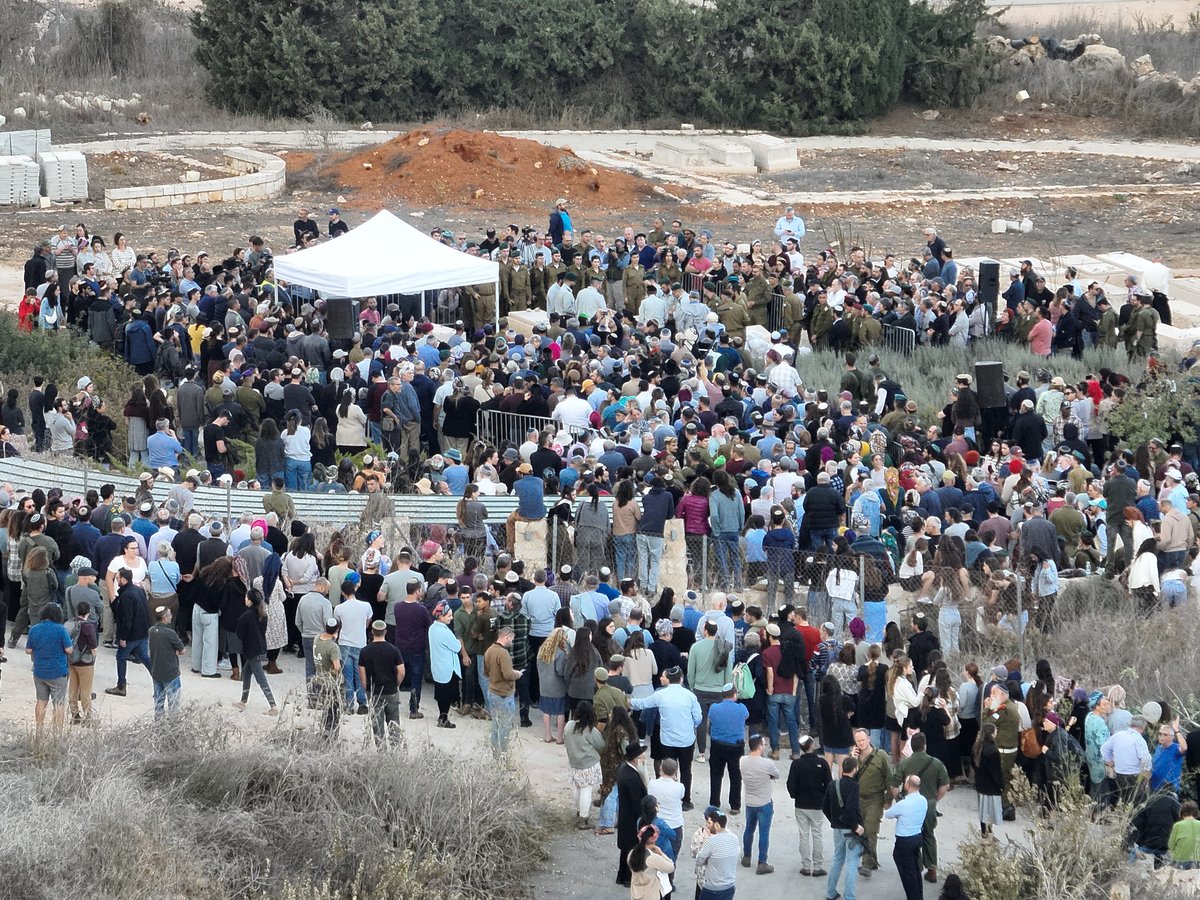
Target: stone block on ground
728	152
771	154
679	154
529	544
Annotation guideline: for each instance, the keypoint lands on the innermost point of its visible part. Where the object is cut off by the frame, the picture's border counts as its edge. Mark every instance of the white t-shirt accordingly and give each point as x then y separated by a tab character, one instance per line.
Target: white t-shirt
296	446
669	794
138	569
841	584
354	616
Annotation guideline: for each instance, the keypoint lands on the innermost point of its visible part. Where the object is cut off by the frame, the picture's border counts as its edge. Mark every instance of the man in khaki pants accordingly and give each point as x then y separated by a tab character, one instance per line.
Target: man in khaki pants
874	777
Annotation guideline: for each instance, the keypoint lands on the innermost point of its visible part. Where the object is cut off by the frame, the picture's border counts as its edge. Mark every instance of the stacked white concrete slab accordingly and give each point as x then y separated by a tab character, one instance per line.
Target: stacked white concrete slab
771	154
728	152
18	181
64	175
26	143
679	154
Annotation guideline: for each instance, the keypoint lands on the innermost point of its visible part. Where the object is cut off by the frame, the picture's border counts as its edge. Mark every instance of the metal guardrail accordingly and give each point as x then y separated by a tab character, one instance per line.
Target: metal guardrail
900	340
495	427
227	504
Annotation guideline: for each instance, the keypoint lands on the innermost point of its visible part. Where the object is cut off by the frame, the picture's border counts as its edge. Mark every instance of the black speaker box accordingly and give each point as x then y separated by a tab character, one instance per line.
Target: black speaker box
989	384
341	319
989	282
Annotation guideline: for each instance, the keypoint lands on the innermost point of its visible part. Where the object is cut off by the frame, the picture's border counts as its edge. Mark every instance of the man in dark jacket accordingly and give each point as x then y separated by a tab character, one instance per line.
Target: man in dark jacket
1029	431
841	808
921	643
1151	827
1120	491
824	510
631	791
657	507
808	780
131	612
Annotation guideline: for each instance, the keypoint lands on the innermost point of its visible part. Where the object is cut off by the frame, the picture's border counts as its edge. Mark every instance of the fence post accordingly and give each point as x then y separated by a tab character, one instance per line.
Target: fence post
862	582
1020	620
704	562
553	544
229	505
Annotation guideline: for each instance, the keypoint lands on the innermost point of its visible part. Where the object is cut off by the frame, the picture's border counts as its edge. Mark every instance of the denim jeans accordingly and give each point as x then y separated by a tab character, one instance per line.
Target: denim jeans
716	893
845	853
819	609
785	705
875	618
136	457
843	612
608	810
625	549
949	628
758	817
310	664
354	687
810	696
139	650
166	697
649	553
725	544
414	668
824	536
1174	593
190	438
297	474
504	716
205	633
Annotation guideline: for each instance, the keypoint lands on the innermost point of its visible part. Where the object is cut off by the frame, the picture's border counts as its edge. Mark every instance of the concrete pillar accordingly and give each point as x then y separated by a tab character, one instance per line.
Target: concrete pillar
673	567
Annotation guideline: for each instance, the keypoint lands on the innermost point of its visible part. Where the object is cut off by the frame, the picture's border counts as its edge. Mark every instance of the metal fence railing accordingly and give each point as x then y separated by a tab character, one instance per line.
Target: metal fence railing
900	340
497	428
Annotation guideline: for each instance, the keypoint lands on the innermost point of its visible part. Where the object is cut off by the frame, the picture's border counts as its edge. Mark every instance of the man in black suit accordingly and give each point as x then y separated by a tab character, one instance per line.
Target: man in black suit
631	790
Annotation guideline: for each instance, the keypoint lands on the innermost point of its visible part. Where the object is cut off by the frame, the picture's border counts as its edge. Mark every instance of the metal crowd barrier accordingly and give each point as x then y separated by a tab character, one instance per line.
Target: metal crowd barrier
898	339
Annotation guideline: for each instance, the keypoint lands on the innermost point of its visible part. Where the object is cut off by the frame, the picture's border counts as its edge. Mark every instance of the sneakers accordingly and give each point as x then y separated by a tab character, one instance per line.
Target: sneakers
525	723
700	758
445	723
764	869
745	862
864	872
416	715
224	664
817	873
213	675
774	754
118	691
273	711
239	706
688	806
362	709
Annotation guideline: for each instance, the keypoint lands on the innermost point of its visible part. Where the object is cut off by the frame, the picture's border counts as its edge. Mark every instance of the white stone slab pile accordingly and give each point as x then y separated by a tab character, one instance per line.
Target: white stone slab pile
64	175
19	182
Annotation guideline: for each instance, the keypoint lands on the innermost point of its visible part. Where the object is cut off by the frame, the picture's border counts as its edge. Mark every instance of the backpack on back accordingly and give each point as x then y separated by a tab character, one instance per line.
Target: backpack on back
743	679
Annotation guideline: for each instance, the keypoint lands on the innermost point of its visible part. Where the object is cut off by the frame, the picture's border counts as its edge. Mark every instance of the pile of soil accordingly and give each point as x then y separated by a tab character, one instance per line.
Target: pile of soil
441	167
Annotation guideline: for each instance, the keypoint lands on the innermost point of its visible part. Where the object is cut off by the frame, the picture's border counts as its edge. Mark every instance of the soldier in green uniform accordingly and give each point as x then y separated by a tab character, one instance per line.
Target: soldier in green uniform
758	296
1108	328
635	285
935	782
874	777
520	289
540	280
819	323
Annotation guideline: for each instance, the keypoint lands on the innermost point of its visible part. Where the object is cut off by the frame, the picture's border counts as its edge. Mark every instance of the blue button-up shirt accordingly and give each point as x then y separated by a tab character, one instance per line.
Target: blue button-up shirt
727	721
909	814
678	714
541	605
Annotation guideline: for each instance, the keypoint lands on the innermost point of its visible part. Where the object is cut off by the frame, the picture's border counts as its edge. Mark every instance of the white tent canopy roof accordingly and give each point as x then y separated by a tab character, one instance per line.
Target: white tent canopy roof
384	255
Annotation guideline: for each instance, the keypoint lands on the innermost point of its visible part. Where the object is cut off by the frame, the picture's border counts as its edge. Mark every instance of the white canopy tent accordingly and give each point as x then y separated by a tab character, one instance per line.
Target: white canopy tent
385	255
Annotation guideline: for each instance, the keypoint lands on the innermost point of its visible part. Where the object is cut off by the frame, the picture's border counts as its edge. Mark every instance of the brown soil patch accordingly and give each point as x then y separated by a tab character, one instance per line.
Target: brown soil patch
483	170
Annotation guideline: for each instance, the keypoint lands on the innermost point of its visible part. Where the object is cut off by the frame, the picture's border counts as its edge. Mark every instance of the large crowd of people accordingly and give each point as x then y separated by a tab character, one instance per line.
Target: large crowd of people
648	407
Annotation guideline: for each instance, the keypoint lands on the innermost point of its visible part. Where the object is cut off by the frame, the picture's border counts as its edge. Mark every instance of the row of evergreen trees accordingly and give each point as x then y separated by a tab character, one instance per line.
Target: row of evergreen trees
792	67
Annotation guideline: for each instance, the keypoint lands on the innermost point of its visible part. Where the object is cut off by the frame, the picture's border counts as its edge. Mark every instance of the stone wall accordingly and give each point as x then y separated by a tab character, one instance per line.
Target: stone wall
260	175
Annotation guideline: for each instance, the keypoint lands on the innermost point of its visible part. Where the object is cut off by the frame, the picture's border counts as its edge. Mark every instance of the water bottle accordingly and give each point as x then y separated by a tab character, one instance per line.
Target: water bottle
1088	569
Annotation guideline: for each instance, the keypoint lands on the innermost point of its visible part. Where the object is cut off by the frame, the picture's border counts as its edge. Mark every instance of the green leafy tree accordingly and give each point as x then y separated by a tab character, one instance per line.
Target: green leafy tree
357	60
1162	406
948	65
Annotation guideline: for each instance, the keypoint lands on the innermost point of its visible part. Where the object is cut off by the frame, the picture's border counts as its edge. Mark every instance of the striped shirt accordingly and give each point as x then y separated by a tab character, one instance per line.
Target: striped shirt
719	857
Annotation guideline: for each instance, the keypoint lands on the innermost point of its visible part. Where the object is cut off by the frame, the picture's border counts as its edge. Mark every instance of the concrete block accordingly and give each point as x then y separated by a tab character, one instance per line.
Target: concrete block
227	194
728	152
771	154
673	566
530	543
191	175
155	190
679	154
191	198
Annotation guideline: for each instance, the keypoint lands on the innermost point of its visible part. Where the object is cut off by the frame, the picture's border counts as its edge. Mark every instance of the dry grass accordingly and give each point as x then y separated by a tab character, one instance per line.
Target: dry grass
185	810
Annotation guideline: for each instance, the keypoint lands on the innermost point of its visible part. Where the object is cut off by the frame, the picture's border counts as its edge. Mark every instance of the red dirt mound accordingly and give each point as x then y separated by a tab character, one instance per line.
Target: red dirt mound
434	167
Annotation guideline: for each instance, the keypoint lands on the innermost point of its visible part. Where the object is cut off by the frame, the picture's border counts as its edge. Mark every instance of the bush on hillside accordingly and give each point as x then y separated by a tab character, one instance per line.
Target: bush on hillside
185	810
846	62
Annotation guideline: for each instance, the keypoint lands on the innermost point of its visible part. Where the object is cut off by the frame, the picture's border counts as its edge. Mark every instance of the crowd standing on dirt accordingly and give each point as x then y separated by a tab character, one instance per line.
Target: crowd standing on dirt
641	376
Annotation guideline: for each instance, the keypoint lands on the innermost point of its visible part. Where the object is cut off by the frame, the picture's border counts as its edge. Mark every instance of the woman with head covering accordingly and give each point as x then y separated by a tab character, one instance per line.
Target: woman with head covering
271	587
